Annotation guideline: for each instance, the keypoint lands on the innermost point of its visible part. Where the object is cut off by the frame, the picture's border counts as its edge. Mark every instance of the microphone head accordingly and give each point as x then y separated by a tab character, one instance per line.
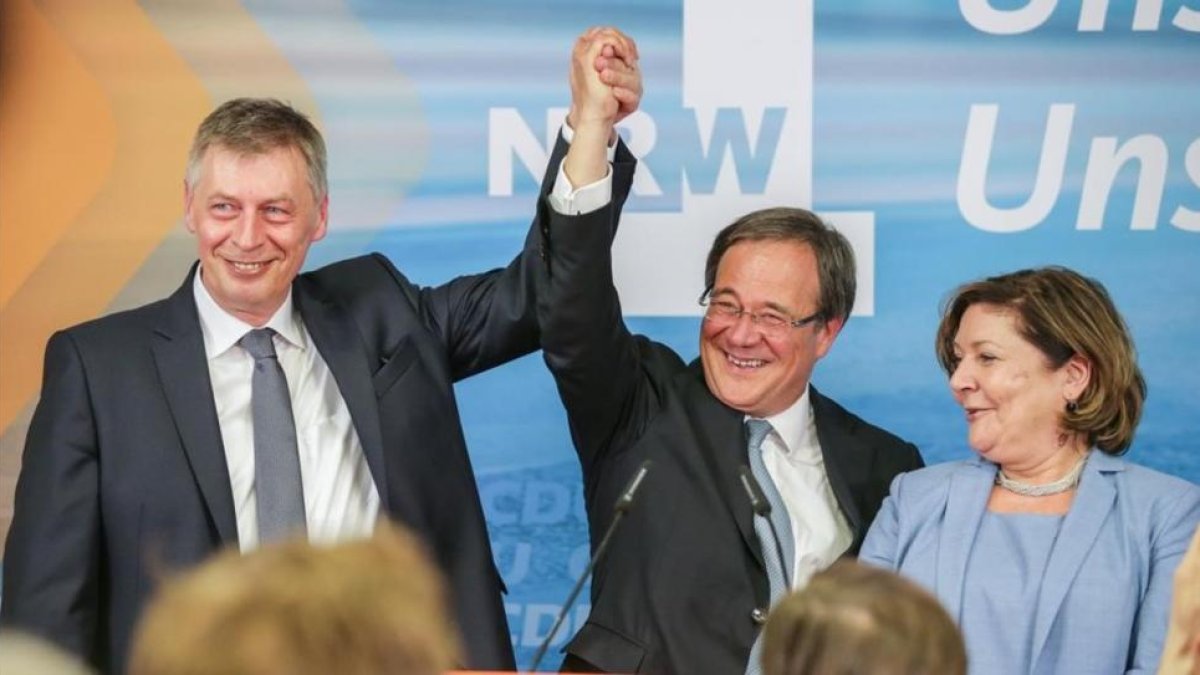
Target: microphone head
758	499
626	499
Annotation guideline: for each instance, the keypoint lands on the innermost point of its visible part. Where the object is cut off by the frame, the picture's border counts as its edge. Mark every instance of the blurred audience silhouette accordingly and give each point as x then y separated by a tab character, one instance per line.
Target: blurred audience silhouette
24	654
861	620
369	606
1181	653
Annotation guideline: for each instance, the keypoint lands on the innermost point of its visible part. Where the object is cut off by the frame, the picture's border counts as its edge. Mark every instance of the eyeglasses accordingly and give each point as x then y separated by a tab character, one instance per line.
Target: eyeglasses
770	323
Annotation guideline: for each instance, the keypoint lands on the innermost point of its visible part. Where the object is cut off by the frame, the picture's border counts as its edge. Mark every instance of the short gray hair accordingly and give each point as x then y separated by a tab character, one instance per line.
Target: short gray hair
835	257
254	126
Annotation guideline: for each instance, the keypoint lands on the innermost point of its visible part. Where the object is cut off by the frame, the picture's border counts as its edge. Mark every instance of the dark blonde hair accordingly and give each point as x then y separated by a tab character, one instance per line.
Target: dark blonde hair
852	619
364	607
1063	313
253	126
835	256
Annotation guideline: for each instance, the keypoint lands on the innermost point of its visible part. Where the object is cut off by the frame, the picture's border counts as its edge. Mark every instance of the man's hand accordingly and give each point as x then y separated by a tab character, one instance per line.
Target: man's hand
606	84
606	87
618	68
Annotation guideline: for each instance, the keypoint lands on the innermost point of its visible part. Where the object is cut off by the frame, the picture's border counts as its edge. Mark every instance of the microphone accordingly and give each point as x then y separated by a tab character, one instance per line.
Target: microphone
758	501
626	499
762	507
624	502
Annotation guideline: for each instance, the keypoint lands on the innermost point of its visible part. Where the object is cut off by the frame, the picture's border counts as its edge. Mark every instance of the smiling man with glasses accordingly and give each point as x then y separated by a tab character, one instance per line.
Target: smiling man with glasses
690	575
762	272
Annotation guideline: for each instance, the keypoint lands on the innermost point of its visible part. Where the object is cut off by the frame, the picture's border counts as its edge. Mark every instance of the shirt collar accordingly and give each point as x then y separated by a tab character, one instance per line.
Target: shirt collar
797	429
222	330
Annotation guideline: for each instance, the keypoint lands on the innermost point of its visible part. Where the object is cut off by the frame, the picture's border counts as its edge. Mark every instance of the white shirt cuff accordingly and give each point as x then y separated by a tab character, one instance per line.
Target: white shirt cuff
570	201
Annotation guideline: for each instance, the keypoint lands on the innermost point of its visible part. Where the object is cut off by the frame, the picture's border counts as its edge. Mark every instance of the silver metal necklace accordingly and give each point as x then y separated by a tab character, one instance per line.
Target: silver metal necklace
1063	484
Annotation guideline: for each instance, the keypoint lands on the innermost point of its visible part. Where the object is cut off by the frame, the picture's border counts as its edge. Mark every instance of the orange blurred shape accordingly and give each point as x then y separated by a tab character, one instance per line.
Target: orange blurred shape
97	114
57	139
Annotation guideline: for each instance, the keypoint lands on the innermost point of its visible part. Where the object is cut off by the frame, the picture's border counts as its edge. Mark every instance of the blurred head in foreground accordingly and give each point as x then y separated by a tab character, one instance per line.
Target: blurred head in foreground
369	606
856	619
23	654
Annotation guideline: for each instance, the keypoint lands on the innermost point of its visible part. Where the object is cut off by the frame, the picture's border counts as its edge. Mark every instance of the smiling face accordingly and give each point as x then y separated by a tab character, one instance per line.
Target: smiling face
254	217
743	368
1012	397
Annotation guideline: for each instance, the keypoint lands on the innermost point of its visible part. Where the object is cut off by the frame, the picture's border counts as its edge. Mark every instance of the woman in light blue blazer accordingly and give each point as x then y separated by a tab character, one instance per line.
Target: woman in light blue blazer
1052	553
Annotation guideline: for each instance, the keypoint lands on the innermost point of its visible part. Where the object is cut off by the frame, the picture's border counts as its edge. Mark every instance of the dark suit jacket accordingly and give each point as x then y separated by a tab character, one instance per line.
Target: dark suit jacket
124	473
678	589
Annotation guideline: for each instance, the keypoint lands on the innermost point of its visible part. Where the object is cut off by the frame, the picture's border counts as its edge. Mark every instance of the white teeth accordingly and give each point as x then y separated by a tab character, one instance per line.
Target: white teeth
246	267
745	363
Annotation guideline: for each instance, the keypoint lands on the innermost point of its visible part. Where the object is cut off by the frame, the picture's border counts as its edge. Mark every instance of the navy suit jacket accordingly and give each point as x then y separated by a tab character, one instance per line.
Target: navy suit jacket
1106	594
124	474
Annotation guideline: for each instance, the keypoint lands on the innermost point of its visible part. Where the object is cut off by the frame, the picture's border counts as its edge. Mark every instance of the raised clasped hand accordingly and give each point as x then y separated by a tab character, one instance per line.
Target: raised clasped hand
606	82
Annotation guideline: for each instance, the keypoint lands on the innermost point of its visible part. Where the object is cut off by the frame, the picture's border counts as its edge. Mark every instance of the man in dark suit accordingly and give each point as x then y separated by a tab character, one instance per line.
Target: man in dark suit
257	403
687	582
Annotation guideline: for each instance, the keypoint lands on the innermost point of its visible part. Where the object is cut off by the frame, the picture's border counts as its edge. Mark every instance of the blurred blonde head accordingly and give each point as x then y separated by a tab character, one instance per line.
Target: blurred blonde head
24	654
852	619
370	606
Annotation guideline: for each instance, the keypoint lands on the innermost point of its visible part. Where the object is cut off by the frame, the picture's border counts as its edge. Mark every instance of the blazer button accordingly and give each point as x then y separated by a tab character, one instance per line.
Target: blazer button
759	615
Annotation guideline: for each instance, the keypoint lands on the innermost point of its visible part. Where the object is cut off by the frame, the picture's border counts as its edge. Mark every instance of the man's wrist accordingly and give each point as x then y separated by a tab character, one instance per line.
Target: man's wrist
595	132
591	129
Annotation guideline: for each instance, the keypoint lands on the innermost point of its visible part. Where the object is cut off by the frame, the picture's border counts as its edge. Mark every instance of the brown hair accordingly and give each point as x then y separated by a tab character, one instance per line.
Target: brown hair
1064	313
835	256
364	607
253	126
861	620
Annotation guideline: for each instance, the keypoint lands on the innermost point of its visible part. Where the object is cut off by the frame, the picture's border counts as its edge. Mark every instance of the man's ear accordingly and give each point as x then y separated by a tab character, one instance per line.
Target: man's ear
827	332
322	219
188	195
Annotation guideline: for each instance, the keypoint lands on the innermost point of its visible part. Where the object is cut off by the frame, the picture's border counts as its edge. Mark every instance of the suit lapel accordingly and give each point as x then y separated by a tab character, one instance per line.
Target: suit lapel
183	372
843	457
724	433
1091	507
341	346
966	502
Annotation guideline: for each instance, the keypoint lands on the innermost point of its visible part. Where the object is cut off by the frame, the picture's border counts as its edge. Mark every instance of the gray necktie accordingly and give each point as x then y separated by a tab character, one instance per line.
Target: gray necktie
779	516
277	486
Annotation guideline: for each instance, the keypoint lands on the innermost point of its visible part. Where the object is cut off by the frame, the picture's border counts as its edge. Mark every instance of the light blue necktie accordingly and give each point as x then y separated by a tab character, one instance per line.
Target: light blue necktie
277	486
766	538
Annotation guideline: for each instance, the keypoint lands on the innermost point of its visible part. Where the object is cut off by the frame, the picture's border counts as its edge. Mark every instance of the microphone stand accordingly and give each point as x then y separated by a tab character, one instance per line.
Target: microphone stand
762	507
624	502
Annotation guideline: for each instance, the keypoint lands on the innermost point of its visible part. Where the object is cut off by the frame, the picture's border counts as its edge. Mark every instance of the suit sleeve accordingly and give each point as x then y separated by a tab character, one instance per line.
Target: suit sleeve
914	460
52	557
1170	542
879	547
585	342
484	320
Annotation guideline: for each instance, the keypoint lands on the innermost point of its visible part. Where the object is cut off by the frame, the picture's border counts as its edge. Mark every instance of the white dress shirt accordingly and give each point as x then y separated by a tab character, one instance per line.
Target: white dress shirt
792	455
340	498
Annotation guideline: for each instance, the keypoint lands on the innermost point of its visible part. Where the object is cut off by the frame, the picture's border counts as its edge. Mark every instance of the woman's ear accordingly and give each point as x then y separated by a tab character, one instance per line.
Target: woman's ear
1078	370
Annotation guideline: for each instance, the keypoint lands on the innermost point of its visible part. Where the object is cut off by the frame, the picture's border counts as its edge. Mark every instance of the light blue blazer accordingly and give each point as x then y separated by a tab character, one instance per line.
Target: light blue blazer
1106	594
